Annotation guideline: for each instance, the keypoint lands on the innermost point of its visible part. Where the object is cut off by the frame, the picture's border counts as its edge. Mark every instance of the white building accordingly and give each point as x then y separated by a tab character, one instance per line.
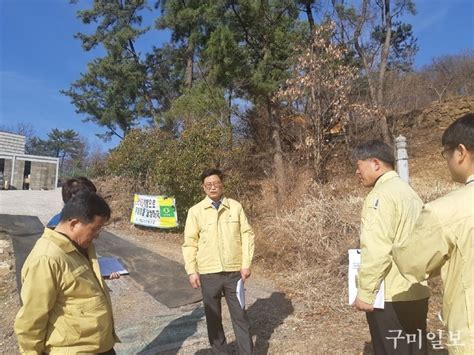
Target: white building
22	171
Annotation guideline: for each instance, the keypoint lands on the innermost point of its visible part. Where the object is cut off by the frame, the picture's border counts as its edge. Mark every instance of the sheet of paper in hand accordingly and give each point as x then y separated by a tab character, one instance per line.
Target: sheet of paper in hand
241	293
109	265
354	264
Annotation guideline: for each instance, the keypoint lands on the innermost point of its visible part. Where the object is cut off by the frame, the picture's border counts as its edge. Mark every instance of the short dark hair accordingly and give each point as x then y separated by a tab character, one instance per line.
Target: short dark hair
460	131
209	172
72	186
374	149
84	206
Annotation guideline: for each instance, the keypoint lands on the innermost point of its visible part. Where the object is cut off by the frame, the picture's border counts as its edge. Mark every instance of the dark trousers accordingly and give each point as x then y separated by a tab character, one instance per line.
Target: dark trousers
399	328
212	287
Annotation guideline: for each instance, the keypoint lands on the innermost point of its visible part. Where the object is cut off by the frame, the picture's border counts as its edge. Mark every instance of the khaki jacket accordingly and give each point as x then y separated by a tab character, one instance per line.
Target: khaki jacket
217	240
390	211
66	306
443	243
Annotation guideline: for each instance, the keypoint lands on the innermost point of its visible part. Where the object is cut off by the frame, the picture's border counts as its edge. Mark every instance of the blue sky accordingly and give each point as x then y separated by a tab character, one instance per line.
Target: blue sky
442	27
39	56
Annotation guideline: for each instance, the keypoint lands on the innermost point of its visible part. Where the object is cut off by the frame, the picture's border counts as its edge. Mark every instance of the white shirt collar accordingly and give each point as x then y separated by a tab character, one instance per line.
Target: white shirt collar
470	179
211	200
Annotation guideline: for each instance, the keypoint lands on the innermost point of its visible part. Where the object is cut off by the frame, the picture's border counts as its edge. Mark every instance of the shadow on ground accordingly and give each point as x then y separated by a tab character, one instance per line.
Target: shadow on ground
172	337
368	349
162	278
267	314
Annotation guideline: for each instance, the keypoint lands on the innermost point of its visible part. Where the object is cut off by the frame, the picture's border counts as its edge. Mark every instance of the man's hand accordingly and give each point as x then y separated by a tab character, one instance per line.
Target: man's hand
114	275
194	280
245	274
362	306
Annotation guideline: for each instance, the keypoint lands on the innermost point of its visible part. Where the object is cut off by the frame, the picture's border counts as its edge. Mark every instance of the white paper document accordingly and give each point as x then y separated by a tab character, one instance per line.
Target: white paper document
354	265
241	293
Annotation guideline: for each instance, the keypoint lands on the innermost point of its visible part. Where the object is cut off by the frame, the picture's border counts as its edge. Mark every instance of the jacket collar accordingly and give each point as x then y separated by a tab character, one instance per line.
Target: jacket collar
207	202
60	240
387	176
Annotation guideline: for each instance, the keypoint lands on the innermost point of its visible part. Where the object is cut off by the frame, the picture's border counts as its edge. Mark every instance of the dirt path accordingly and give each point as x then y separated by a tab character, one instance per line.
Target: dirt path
144	325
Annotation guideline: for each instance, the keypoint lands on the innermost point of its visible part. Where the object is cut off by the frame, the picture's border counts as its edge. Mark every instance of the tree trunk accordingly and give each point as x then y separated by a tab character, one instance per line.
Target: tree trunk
387	22
189	64
229	120
360	51
375	86
309	14
318	132
278	163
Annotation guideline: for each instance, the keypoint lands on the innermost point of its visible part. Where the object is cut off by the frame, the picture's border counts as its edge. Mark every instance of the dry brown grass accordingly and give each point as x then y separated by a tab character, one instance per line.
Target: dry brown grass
310	242
304	249
430	190
311	239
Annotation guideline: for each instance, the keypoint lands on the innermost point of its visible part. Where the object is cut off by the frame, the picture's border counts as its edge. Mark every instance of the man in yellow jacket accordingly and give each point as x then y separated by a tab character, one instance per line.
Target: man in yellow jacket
66	306
389	211
442	241
218	250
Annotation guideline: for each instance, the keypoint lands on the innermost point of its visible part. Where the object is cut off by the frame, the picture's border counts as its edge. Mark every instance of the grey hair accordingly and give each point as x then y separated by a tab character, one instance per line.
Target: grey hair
374	149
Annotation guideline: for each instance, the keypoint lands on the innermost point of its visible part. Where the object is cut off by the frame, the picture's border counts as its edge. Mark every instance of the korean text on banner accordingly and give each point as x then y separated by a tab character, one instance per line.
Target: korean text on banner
154	211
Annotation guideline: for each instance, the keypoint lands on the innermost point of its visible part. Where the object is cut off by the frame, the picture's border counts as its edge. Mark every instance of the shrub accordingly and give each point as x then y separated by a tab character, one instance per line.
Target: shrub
160	163
135	157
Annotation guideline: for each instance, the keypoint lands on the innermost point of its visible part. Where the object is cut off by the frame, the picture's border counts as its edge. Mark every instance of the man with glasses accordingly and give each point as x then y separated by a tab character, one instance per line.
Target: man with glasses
218	250
442	241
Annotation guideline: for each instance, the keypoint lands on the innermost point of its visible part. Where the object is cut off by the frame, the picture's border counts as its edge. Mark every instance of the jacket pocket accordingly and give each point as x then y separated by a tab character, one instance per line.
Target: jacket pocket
91	305
206	231
233	241
70	277
233	229
95	318
206	255
63	330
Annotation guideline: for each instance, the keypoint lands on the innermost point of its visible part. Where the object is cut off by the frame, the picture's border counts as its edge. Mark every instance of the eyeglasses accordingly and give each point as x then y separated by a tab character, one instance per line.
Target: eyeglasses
445	151
209	185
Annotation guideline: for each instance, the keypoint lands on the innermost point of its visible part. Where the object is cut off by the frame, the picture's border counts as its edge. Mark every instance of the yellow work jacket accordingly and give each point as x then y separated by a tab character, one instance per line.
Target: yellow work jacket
66	306
217	240
443	243
390	211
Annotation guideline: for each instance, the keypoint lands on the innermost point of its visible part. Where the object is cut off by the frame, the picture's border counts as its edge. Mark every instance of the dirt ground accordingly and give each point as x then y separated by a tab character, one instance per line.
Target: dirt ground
280	324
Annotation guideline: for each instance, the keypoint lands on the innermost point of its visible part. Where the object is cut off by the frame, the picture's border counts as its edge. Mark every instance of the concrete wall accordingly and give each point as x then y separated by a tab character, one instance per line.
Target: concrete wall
43	176
7	171
42	173
12	143
18	175
51	182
